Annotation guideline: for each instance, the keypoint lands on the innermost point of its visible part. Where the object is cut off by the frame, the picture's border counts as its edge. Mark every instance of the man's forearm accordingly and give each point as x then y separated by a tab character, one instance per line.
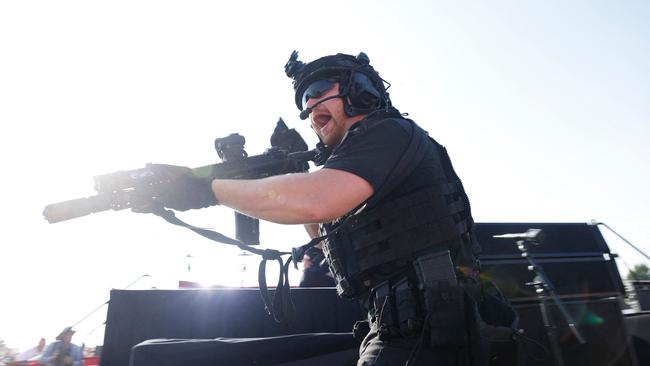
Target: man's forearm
299	198
313	230
280	199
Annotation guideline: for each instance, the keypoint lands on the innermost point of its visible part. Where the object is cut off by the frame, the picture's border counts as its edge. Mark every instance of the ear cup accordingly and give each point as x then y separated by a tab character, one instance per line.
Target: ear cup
362	93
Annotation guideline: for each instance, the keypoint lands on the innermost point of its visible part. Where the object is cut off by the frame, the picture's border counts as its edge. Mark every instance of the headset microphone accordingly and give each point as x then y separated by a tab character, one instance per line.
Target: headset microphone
304	114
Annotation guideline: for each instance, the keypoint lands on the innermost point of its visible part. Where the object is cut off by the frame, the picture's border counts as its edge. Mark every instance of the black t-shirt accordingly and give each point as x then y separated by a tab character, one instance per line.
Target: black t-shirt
372	149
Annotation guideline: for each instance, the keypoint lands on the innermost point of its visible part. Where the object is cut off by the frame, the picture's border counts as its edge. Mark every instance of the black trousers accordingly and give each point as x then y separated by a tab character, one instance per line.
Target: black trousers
397	350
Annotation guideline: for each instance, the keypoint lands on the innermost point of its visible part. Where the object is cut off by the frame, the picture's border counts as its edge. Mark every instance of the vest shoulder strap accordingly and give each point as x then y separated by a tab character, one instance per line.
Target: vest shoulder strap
411	158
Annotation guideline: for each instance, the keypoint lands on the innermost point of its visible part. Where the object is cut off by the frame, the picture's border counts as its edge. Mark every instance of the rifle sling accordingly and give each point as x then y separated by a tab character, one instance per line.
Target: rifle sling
281	305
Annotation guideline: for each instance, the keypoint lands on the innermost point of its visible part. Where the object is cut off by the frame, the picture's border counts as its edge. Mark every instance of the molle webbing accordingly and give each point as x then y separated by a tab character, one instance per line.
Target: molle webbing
397	231
401	228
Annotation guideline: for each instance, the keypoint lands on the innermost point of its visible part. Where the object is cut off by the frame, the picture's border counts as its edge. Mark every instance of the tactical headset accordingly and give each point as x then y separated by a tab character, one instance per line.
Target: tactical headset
360	86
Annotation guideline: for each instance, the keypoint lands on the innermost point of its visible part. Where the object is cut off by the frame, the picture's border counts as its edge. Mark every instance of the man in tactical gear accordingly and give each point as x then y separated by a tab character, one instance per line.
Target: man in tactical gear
397	219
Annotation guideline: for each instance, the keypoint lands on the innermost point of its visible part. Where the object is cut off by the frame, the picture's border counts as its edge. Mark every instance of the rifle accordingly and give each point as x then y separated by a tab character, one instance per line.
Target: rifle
125	189
288	154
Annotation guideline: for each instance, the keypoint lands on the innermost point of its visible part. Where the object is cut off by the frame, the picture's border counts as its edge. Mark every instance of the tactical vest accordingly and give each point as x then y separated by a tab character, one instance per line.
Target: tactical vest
394	232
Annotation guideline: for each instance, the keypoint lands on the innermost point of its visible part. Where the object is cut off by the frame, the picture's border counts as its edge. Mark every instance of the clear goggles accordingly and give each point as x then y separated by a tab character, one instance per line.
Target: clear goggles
317	89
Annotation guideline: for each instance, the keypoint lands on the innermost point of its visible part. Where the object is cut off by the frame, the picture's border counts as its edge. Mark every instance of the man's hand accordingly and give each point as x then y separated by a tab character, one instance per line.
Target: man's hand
179	189
306	262
313	258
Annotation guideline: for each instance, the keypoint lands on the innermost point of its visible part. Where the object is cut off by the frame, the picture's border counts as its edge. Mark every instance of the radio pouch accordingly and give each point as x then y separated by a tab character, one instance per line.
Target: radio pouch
444	300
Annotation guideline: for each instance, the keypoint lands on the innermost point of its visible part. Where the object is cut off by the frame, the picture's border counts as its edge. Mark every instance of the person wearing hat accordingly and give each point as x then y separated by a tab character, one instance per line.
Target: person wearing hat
63	352
395	217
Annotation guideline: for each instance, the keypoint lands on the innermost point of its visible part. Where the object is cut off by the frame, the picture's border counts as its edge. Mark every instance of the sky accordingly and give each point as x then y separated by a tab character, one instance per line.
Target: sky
544	108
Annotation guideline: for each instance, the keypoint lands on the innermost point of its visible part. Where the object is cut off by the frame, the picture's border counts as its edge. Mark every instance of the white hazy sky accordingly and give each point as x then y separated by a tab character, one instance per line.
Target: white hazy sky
543	106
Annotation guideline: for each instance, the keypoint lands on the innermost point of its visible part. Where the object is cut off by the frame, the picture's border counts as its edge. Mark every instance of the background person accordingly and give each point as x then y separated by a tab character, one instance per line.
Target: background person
32	354
63	352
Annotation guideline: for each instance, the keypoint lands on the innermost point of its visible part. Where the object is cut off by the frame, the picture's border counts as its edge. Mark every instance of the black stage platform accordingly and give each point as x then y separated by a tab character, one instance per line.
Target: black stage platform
136	316
575	256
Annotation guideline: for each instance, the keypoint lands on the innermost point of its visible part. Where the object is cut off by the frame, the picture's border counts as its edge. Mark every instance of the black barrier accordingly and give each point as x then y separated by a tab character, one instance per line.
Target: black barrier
575	256
135	316
638	327
589	277
599	321
561	240
642	292
320	349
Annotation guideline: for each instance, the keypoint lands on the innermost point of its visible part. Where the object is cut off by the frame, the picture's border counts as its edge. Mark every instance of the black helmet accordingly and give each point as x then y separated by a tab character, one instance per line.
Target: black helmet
361	87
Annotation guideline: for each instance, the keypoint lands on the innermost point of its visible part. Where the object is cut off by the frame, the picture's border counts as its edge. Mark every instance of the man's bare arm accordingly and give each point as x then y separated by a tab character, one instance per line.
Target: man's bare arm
313	230
299	198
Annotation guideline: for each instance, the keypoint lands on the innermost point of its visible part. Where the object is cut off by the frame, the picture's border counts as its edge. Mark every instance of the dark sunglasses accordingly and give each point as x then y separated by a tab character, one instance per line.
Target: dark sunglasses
317	89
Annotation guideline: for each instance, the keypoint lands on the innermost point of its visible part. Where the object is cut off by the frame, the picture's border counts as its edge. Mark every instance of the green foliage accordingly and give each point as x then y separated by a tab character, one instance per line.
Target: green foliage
639	272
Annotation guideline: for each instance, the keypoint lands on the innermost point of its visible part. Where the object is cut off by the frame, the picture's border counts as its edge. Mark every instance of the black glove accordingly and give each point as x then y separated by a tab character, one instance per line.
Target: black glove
177	187
315	255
